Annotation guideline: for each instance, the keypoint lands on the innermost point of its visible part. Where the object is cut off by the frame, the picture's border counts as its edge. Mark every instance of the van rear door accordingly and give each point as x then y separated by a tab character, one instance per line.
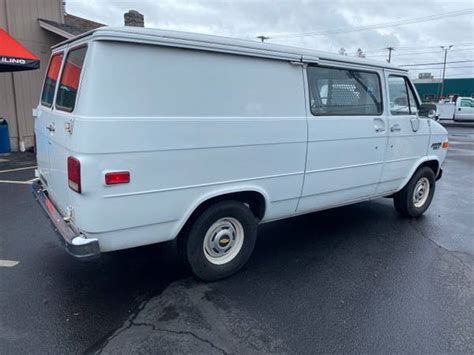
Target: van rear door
54	128
43	116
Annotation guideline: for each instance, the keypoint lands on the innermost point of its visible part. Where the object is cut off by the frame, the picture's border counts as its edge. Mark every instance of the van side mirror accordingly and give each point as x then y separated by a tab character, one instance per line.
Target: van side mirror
427	110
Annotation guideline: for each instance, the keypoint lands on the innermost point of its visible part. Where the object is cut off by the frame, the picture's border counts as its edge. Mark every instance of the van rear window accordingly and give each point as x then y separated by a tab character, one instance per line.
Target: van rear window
69	84
51	79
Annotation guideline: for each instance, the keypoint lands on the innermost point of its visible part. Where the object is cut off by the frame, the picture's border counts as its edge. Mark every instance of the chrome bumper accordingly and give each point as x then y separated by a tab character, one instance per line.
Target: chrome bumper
75	243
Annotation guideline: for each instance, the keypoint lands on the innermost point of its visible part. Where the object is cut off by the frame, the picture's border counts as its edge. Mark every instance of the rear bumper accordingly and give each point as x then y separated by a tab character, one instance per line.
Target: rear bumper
75	243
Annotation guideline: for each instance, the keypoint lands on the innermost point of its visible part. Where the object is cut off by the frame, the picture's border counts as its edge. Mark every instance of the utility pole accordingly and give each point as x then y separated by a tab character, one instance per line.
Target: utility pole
446	49
390	49
262	38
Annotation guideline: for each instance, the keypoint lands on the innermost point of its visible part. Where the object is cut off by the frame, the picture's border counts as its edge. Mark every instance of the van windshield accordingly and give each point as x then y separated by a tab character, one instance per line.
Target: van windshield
67	92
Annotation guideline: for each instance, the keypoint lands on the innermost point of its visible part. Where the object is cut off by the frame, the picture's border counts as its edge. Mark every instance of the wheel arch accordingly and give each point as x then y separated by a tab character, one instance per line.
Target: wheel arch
433	164
256	199
429	161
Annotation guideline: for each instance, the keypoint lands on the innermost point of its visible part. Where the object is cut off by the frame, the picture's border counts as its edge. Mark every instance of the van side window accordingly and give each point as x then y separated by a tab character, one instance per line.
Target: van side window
51	79
344	92
69	84
402	97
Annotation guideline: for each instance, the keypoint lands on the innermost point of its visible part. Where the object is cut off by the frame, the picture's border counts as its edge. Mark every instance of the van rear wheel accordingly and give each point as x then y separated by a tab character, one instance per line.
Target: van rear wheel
220	241
415	198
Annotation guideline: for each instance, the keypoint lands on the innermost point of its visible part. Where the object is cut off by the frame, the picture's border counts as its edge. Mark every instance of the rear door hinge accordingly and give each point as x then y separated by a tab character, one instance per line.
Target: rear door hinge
69	214
69	125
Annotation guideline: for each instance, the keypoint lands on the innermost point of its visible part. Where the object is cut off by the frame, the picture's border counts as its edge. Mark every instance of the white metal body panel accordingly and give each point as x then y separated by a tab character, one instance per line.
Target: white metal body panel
345	157
406	146
58	143
446	110
190	120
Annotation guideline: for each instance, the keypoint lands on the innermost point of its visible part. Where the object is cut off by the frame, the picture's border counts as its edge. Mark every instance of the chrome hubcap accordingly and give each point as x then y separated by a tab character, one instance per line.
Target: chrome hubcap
223	241
421	192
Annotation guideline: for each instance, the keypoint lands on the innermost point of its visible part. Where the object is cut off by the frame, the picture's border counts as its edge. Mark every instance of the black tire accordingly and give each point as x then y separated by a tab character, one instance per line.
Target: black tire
403	200
191	242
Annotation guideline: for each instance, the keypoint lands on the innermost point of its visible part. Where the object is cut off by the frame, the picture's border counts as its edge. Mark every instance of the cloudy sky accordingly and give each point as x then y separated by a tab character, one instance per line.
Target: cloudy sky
416	28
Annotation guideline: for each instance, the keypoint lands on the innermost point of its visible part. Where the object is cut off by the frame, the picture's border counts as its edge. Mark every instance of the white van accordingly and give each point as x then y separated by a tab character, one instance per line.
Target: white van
145	135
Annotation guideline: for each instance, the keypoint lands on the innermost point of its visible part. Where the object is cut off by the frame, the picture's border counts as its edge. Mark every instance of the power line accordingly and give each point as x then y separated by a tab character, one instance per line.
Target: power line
421	64
417	53
461	44
448	67
377	26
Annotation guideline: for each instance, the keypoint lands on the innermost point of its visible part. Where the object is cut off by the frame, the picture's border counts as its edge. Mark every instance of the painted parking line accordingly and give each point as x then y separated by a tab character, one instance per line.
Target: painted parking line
17	169
8	263
16	182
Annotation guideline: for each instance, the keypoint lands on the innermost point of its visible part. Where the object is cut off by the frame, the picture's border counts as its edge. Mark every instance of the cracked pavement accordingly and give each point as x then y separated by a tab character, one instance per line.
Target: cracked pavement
352	279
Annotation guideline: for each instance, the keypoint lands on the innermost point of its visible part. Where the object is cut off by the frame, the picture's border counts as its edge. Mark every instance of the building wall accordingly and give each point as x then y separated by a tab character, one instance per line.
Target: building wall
19	92
461	87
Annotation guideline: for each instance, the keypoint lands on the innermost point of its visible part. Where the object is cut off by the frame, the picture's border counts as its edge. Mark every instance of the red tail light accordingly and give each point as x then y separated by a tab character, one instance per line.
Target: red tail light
74	174
117	177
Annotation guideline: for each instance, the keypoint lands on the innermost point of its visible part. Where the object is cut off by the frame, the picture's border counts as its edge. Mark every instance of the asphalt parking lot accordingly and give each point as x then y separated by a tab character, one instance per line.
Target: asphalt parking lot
353	279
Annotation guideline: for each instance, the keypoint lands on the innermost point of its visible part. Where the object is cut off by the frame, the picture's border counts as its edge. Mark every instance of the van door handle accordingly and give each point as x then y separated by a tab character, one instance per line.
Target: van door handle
50	127
379	125
395	128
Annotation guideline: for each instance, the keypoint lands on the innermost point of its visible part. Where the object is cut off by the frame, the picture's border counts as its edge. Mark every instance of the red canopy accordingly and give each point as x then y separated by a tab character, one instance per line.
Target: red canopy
15	57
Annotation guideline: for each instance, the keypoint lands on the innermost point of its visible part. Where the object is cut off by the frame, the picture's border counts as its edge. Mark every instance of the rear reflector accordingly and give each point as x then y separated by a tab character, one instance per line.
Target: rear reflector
74	174
445	145
117	177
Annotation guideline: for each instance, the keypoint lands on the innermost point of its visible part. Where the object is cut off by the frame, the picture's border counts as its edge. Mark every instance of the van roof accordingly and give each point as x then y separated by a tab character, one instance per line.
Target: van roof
220	44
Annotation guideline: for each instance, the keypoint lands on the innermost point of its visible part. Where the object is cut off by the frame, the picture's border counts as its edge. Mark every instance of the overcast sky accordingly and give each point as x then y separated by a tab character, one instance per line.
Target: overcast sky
285	21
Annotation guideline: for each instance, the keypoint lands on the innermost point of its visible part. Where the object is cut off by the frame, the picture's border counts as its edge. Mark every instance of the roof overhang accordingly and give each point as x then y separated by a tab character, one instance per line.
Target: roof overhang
54	29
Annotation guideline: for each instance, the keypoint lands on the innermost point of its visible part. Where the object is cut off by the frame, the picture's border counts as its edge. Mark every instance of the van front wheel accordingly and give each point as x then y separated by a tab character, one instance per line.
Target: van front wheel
415	198
220	241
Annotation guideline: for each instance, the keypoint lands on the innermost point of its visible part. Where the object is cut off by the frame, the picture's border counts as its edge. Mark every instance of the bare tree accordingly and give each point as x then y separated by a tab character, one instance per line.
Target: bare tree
360	53
342	51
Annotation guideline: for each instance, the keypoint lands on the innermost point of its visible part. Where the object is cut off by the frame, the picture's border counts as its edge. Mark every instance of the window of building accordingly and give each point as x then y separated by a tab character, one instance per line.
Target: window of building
51	79
344	92
67	91
429	97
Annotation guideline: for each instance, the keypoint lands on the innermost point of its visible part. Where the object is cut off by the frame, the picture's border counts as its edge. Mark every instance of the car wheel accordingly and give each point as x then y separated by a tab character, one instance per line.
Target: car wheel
220	241
415	198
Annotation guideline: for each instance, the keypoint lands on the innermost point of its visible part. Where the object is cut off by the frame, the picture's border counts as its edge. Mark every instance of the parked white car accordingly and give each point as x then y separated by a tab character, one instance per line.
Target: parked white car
145	135
464	110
